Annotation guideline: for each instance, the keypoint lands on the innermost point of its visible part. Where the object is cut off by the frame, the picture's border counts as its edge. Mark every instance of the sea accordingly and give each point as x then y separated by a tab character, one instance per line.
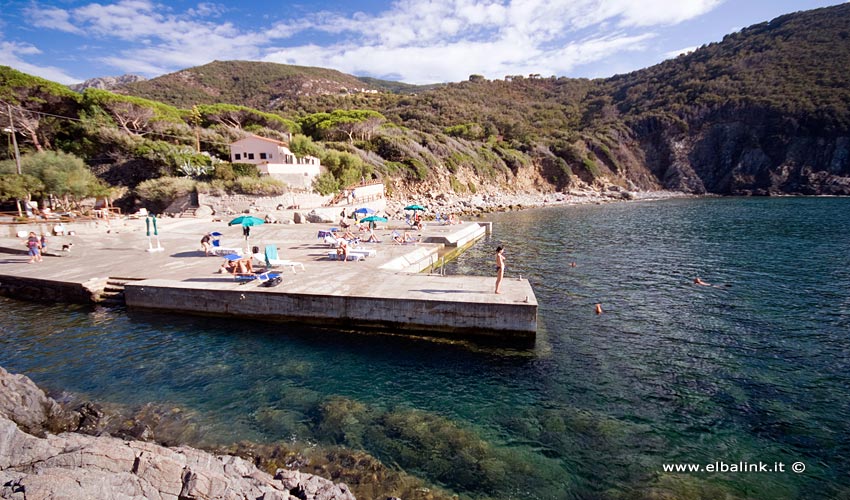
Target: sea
736	389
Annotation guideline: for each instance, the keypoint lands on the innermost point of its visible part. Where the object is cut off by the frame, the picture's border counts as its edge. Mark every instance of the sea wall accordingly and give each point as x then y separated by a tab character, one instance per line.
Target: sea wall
42	290
452	317
239	203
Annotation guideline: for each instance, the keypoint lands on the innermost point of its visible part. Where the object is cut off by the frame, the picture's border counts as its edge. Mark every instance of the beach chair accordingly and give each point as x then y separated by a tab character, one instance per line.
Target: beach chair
263	279
269	279
244	278
352	255
331	240
270	259
220	250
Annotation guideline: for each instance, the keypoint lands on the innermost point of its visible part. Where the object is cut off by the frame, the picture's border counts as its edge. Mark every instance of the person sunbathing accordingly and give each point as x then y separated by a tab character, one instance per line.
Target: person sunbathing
402	239
245	266
342	251
237	266
372	238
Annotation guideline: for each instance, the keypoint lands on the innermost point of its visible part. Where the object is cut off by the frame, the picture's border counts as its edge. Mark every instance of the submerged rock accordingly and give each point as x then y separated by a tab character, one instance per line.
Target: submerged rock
37	464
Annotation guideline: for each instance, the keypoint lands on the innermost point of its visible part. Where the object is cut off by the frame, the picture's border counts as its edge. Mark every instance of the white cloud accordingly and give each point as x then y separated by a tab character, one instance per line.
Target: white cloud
52	18
421	41
206	9
676	53
663	12
9	56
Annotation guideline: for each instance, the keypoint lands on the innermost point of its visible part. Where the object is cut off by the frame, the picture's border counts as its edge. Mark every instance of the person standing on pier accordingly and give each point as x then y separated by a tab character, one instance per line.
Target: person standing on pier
34	246
500	267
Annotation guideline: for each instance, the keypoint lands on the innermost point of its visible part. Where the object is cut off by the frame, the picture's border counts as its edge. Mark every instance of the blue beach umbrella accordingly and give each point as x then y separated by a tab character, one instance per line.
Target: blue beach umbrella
246	221
415	207
364	210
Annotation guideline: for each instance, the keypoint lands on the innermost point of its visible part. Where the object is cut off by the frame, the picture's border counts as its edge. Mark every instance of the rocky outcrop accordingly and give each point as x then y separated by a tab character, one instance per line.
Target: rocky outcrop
106	82
22	402
743	151
35	463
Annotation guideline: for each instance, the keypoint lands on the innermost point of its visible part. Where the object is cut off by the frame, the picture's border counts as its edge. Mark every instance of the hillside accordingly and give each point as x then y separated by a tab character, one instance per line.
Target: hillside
765	111
253	84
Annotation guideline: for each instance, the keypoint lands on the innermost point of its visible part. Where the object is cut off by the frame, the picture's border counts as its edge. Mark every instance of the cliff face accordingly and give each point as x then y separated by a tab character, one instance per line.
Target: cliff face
106	82
747	151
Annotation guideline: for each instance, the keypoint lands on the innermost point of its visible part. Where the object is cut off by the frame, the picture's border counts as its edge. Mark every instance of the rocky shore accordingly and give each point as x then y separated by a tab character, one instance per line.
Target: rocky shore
41	458
472	205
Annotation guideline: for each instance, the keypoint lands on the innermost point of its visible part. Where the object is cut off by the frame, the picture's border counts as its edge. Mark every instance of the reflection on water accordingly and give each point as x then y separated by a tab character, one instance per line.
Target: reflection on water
754	369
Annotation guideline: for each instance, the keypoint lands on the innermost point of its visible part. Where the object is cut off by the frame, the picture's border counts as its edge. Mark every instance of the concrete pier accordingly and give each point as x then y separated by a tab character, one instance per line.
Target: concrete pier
383	292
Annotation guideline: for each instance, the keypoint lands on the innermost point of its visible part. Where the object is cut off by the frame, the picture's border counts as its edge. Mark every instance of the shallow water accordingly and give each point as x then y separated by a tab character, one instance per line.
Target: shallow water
752	369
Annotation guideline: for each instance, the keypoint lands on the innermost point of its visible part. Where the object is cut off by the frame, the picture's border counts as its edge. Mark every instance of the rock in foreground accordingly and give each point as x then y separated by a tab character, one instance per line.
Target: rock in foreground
76	466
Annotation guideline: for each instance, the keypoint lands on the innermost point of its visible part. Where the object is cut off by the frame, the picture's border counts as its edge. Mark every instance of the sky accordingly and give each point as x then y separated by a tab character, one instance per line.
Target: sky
413	41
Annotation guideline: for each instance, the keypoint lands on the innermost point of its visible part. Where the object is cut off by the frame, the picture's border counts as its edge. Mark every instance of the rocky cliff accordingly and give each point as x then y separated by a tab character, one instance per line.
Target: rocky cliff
107	82
747	151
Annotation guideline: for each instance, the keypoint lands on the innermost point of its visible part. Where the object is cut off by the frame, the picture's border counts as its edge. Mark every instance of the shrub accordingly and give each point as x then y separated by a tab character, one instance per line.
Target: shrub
591	166
259	186
245	170
417	168
456	185
224	172
164	190
470	131
325	184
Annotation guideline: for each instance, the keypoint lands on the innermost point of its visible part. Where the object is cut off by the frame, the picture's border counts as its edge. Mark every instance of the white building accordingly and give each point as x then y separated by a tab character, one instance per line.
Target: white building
274	158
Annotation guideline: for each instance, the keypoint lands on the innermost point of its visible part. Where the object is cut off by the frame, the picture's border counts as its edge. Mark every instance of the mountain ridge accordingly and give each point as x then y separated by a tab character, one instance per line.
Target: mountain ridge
764	111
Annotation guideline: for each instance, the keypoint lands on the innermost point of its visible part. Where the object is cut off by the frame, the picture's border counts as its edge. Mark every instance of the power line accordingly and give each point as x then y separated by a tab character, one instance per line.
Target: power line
71	118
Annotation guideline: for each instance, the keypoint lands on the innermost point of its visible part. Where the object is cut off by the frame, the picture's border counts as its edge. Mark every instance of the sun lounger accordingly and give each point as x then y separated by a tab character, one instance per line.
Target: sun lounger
263	279
270	259
351	255
355	253
222	251
244	278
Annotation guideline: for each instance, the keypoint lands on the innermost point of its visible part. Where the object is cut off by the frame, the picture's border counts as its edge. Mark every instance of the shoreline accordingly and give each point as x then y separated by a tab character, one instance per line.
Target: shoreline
479	204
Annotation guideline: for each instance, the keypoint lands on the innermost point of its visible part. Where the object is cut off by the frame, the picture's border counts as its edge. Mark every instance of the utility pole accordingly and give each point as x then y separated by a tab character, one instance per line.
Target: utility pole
14	140
17	153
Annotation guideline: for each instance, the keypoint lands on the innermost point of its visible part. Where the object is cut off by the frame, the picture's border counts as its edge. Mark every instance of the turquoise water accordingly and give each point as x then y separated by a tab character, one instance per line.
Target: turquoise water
752	369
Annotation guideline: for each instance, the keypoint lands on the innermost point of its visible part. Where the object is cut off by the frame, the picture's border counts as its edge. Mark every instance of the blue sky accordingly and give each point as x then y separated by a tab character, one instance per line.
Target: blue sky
414	41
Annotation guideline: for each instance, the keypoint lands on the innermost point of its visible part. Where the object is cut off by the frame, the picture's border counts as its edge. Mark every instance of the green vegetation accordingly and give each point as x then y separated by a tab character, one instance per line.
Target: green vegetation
456	185
777	92
164	190
49	174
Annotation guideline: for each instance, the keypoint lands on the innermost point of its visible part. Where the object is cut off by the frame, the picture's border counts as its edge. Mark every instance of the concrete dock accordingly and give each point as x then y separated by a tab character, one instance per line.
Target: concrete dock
386	291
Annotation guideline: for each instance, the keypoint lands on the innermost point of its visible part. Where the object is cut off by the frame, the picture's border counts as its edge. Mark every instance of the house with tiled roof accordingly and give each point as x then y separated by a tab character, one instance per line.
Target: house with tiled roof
273	158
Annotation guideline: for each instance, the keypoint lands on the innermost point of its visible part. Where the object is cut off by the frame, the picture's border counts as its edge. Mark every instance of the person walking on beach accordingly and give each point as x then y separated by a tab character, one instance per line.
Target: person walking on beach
500	267
34	248
206	244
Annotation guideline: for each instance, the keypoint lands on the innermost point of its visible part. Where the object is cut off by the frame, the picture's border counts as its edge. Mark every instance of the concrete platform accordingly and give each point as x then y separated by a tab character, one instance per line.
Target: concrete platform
384	291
